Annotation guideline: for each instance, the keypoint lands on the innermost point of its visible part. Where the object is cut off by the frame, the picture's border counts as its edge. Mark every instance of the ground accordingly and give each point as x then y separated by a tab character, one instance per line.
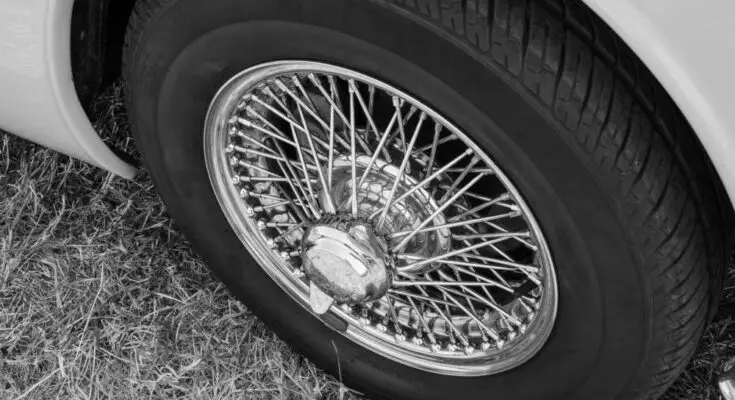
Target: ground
101	296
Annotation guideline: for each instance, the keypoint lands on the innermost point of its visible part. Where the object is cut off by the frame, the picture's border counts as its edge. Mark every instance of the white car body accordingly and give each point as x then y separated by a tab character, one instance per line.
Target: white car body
39	101
689	46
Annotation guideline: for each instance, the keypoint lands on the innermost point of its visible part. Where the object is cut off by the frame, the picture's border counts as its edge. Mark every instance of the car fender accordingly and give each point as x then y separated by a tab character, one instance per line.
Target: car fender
38	100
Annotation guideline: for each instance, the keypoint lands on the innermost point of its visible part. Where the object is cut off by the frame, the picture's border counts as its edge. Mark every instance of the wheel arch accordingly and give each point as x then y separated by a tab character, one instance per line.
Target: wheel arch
98	33
36	69
688	66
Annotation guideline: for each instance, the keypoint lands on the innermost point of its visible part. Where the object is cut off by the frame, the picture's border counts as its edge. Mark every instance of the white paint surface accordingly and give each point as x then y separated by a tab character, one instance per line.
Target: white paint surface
37	96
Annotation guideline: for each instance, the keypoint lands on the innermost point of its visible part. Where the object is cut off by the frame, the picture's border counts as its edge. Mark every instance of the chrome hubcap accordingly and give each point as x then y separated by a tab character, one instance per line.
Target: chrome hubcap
365	203
344	262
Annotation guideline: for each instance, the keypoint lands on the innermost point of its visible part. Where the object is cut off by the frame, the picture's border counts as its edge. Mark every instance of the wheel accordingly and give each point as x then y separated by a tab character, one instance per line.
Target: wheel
435	199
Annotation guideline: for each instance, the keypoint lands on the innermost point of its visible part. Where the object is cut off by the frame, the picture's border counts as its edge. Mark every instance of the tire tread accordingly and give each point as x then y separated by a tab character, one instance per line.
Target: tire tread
611	108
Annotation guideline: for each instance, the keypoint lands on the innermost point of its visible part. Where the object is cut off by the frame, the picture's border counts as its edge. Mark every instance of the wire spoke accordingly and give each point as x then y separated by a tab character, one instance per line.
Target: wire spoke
492	271
484	236
460	178
438	143
329	206
420	317
288	117
365	108
490	304
434	145
495	226
284	117
440	284
294	183
419	185
353	158
517	239
309	192
466	263
301	104
490	332
380	147
413	266
394	316
317	118
441	208
251	125
258	168
503	262
371	104
475	210
265	154
401	170
419	297
402	121
446	319
462	224
291	230
310	104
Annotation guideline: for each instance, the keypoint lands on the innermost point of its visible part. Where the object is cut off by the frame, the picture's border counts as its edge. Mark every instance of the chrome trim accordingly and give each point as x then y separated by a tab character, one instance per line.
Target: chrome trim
470	342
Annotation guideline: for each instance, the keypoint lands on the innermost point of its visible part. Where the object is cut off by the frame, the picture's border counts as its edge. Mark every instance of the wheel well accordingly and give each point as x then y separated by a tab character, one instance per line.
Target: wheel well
97	38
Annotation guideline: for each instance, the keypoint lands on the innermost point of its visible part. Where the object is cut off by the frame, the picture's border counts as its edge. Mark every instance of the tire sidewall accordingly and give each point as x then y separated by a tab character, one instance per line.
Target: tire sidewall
191	49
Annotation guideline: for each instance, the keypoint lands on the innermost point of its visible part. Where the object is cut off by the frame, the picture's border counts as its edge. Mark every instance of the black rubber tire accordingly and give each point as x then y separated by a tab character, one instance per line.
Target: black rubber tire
629	202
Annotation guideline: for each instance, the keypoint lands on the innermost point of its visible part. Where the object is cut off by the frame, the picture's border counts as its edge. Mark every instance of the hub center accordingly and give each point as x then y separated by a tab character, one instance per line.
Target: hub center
405	212
345	262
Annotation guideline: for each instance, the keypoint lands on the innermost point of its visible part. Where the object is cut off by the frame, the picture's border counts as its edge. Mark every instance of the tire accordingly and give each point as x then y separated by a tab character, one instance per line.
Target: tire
628	201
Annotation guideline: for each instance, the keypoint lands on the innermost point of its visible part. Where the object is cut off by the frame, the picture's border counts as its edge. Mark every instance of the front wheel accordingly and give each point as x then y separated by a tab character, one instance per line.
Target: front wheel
447	215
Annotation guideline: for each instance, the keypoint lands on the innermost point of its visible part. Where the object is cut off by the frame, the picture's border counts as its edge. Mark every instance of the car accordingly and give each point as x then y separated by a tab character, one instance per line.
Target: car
431	199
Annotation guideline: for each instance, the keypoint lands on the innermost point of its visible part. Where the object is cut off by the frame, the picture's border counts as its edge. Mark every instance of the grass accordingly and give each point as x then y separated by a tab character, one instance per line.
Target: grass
101	296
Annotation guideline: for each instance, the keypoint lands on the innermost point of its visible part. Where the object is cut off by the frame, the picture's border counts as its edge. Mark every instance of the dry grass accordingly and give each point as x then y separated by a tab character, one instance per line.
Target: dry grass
101	297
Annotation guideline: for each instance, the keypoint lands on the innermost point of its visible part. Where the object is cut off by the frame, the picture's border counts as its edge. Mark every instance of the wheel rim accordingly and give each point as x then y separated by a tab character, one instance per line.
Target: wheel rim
421	246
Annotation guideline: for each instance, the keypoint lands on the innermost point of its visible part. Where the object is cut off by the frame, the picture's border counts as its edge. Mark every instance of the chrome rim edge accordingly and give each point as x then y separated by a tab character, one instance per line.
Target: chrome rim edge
376	325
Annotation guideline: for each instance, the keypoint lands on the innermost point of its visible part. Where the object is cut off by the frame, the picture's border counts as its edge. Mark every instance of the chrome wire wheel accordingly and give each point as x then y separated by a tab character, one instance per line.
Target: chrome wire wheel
366	205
